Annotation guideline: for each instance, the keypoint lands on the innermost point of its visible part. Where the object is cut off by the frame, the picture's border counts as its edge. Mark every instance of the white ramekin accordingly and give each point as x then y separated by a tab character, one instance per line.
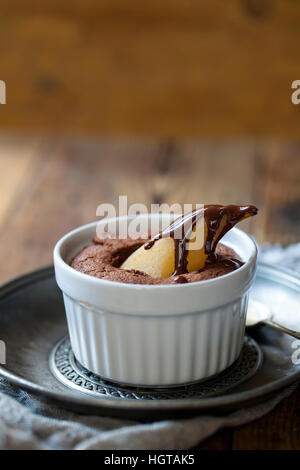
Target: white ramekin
155	335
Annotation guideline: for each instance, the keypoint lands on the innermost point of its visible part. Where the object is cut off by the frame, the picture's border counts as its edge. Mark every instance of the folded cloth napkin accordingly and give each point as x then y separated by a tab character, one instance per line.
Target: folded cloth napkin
27	423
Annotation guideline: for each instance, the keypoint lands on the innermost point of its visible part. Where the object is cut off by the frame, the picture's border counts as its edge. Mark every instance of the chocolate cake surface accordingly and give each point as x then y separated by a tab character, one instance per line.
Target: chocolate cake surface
104	257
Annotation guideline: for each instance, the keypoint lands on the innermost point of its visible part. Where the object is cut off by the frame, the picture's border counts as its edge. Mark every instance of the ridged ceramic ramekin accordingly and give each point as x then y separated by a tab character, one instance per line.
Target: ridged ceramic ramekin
162	335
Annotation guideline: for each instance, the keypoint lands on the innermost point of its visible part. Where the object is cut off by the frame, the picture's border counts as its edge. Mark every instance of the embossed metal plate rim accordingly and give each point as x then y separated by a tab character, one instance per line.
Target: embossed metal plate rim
108	406
68	371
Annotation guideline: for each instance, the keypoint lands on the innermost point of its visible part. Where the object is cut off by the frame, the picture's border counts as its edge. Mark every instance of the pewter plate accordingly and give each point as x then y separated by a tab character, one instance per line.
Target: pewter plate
71	373
32	322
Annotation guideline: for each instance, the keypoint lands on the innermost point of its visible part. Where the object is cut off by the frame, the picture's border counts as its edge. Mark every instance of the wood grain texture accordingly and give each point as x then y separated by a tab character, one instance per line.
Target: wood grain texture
279	430
51	185
171	68
16	162
57	184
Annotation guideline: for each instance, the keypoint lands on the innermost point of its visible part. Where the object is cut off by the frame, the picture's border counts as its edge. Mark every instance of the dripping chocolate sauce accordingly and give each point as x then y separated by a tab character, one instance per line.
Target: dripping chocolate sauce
181	230
179	280
228	263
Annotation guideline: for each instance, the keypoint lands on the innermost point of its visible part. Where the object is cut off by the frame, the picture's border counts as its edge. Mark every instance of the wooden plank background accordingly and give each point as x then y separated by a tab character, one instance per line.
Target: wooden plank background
49	186
168	68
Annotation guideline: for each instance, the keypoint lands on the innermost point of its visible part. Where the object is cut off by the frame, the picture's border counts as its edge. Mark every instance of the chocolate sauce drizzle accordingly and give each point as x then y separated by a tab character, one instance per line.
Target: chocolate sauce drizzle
179	280
181	230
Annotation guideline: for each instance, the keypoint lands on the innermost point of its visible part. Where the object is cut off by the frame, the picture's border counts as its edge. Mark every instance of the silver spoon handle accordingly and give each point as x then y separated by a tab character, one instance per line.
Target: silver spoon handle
277	326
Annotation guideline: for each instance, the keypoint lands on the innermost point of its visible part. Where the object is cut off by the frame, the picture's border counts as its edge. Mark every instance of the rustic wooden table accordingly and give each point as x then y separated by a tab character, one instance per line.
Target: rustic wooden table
51	185
151	68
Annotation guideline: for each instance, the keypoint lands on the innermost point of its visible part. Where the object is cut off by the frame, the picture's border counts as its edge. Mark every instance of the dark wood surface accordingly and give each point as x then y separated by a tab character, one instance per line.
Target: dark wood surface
49	186
119	67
